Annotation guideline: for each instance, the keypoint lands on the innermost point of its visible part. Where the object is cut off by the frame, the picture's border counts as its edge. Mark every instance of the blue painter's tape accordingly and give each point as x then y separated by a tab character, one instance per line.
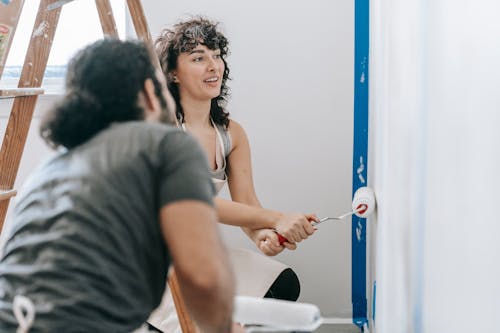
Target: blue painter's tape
360	156
374	298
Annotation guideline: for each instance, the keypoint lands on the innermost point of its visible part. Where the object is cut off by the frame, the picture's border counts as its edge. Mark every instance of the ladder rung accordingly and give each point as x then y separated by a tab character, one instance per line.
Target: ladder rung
19	92
57	4
6	194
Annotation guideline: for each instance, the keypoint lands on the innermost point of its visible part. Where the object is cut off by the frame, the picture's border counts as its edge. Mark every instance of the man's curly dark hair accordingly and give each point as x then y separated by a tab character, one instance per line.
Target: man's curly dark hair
184	37
102	86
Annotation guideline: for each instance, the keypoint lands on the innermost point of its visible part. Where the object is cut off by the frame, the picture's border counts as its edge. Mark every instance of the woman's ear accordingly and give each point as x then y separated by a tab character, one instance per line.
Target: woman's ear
172	77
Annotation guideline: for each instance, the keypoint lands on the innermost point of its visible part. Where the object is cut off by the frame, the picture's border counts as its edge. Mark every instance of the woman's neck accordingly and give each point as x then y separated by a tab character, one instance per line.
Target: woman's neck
196	113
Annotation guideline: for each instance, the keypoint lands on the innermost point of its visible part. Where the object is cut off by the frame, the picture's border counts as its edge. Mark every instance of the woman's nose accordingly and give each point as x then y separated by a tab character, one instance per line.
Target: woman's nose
212	65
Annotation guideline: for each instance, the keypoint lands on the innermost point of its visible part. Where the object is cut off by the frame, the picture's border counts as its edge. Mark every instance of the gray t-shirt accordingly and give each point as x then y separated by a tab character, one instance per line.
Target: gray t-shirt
86	245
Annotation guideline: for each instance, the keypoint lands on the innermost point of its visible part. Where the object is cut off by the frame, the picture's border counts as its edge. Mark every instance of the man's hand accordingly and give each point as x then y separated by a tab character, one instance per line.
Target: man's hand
267	242
296	227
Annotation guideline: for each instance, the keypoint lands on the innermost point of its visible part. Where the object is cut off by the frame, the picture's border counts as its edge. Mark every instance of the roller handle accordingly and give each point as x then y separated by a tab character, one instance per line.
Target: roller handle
281	238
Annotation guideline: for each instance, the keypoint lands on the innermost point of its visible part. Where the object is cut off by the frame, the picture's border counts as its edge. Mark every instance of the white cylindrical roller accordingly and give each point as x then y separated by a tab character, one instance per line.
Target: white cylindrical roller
270	314
364	202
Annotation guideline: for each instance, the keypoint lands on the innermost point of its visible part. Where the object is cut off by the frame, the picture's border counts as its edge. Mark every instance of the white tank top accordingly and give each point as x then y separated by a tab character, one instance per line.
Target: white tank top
222	150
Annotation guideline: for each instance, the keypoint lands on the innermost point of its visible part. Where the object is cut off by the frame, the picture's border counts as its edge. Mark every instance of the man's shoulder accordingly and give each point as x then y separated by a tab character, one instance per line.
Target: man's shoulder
140	131
145	127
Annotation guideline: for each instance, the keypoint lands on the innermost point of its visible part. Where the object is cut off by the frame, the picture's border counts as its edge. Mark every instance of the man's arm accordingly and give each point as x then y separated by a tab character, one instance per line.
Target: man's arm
201	263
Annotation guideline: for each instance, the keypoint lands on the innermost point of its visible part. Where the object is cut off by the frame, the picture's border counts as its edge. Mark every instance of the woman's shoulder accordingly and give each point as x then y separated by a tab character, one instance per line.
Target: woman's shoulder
235	128
237	133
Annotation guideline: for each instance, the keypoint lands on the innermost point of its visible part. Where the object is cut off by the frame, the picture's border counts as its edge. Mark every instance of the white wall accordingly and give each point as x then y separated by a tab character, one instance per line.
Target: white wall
292	90
435	115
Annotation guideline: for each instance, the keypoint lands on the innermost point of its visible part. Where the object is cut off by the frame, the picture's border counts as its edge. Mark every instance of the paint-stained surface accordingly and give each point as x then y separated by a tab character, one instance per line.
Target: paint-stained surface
4	40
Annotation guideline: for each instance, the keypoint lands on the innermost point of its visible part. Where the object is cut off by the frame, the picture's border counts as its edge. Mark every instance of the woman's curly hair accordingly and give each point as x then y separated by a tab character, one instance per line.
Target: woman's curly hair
184	37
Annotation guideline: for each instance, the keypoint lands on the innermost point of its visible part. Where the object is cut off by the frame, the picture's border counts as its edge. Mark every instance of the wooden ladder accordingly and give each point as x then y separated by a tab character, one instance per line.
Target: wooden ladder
29	88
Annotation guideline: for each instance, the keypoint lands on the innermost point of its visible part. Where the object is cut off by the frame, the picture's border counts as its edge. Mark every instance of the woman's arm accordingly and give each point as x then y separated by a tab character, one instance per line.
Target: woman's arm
239	167
245	215
294	227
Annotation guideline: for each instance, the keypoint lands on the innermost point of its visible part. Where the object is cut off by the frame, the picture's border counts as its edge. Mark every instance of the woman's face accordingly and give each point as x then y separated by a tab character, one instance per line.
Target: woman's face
199	73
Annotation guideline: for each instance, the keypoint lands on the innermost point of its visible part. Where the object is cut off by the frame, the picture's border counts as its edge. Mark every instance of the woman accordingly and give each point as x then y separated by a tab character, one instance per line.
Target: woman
192	55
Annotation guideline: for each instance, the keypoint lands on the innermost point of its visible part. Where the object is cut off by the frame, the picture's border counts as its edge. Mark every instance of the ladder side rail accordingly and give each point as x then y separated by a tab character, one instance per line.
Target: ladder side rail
142	29
9	18
143	33
23	107
107	19
185	321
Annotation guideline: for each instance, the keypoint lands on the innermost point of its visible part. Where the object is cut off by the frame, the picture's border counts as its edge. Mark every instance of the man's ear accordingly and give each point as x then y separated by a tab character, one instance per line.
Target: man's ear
149	100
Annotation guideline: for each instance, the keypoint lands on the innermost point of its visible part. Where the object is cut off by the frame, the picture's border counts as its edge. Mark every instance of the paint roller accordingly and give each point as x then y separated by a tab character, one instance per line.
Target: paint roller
363	205
272	315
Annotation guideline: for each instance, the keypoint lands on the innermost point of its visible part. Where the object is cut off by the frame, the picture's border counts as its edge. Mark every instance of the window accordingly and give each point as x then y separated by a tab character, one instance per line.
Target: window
78	26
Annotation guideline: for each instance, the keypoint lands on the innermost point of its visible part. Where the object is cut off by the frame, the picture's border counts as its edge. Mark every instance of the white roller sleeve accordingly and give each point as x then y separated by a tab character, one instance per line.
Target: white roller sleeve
271	314
364	196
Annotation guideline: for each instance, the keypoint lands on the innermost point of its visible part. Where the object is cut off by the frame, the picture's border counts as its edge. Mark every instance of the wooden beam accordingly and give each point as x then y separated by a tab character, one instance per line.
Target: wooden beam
7	194
9	16
142	32
187	324
23	107
141	28
19	92
107	19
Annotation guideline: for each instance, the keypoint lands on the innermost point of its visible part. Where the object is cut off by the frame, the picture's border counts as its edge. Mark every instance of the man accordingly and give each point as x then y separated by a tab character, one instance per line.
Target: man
97	226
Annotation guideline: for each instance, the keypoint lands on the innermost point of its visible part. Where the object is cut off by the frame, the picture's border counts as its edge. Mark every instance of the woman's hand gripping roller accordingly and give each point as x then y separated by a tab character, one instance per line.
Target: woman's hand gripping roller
363	205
